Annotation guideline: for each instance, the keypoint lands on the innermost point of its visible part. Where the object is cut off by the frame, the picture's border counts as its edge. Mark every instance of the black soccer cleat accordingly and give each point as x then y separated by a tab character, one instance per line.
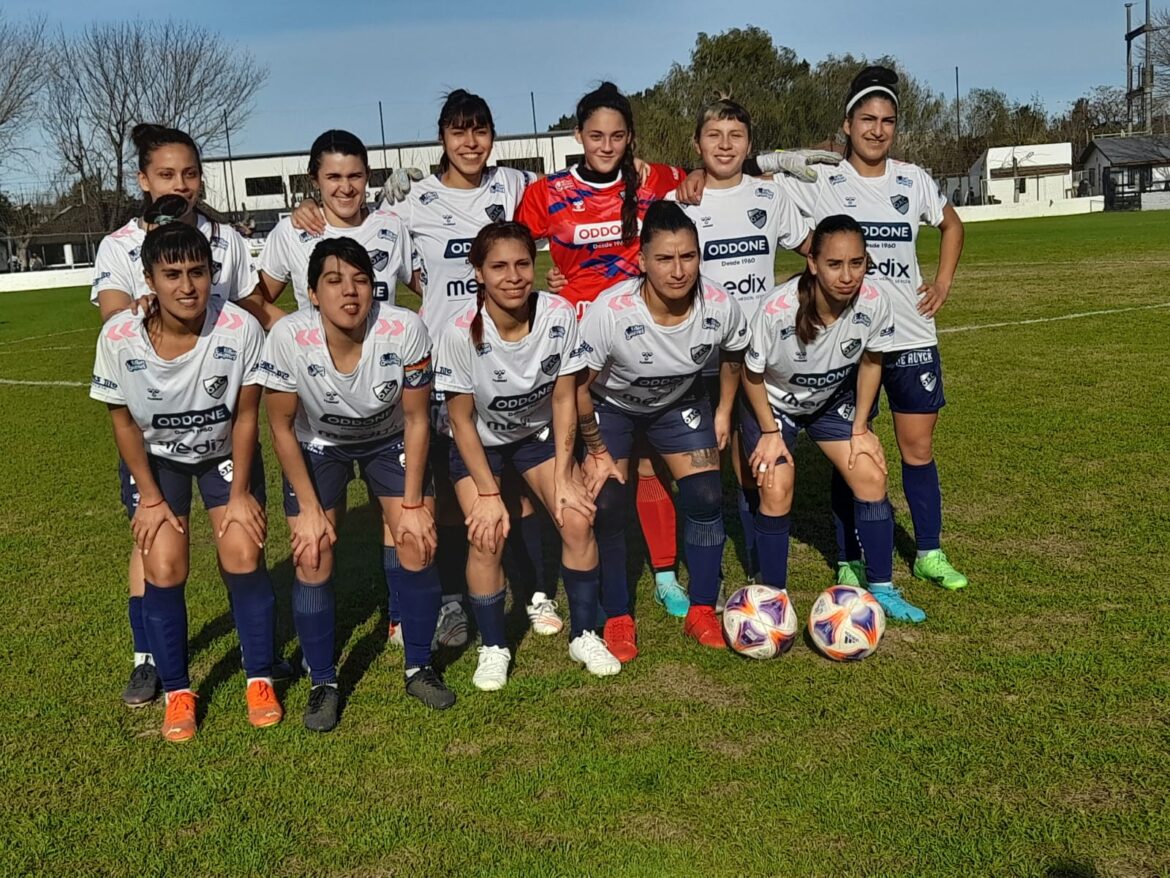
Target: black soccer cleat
428	687
143	687
324	706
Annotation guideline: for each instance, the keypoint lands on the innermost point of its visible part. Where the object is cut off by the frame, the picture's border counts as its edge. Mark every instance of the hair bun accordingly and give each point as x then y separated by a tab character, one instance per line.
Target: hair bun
874	75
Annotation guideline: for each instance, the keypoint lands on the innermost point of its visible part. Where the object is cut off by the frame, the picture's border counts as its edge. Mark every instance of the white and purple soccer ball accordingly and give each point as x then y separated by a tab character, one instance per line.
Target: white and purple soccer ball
759	621
846	623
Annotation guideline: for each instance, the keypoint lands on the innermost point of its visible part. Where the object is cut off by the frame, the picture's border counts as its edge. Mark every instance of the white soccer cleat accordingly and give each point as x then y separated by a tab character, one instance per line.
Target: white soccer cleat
492	671
590	650
451	628
543	616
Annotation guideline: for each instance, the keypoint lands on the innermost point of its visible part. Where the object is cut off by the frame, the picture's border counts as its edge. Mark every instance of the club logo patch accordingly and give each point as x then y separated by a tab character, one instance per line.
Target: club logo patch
495	212
847	411
757	217
928	380
385	390
380	259
692	418
216	386
850	346
402	460
549	365
699	353
901	203
225	470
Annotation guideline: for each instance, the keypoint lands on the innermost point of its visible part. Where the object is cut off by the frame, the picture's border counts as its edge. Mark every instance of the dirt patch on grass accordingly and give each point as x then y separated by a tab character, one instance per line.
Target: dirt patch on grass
671	681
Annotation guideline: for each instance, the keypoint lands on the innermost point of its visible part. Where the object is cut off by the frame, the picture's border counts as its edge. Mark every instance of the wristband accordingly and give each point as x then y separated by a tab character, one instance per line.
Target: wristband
405	506
160	502
769	432
496	494
598	453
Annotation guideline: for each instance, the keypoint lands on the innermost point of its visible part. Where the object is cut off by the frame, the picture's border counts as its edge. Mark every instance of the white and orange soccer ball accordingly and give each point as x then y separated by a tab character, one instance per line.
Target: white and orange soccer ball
759	621
846	623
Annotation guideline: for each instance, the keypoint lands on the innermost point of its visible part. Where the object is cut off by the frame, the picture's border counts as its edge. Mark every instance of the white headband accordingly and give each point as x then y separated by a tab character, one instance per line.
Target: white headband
868	90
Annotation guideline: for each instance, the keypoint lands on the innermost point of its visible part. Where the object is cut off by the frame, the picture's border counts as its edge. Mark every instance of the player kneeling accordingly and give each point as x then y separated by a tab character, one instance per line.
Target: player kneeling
181	382
348	380
508	371
815	363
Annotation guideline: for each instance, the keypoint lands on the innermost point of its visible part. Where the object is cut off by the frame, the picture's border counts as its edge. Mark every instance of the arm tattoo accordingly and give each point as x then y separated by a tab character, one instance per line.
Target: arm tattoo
703	458
590	434
570	439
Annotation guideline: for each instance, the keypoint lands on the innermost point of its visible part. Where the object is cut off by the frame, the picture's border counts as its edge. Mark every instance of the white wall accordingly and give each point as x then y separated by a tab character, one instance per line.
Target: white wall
1023	210
21	281
1051	187
1156	201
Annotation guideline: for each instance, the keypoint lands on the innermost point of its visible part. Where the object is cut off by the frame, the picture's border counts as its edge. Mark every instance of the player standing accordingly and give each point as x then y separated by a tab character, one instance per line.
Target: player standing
348	381
181	382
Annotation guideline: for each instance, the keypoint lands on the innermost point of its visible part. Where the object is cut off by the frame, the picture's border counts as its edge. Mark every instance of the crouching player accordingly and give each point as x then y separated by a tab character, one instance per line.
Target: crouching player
182	384
815	363
646	344
508	369
348	380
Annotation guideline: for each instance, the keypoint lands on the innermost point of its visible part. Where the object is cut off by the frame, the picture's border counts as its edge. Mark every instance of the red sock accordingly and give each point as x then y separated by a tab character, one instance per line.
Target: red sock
656	513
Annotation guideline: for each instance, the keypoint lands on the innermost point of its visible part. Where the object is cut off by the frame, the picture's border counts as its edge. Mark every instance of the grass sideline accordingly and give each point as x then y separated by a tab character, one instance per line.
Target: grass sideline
1023	730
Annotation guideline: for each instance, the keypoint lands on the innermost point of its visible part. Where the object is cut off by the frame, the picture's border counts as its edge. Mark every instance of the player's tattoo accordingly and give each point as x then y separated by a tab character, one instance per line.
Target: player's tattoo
590	434
734	365
703	458
570	439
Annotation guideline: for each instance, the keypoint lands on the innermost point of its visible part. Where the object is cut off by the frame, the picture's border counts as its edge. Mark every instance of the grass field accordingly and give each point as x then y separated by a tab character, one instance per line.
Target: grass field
1023	730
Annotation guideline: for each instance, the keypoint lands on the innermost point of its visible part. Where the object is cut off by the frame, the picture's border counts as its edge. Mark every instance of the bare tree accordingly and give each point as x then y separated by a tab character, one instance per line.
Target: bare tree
22	67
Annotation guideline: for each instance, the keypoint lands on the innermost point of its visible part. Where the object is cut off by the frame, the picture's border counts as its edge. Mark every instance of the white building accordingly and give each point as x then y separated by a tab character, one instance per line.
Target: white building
1038	172
270	185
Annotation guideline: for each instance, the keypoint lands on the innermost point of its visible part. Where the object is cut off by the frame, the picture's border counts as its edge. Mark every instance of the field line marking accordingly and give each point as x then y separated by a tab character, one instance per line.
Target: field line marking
1077	316
64	347
50	335
43	383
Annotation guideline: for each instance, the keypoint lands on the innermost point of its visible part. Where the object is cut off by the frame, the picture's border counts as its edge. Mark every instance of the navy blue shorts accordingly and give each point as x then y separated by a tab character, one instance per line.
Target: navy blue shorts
688	425
833	423
382	465
521	455
914	381
174	480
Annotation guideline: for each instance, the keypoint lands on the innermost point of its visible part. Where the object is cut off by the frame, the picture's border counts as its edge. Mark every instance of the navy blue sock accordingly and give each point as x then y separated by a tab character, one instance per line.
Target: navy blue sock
138	626
254	609
526	553
313	617
451	559
489	617
582	588
875	528
419	597
164	612
841	500
924	494
748	502
701	497
609	530
393	571
772	541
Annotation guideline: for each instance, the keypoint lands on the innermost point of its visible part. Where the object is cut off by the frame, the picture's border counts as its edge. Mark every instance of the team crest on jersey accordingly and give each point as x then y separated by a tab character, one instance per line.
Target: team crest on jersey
692	418
316	370
904	181
390	359
428	197
223	352
135	365
929	380
385	390
216	386
711	323
483	349
379	259
764	192
850	346
901	203
332	397
861	318
556	332
216	268
549	365
388	235
495	212
699	353
634	331
787	332
757	217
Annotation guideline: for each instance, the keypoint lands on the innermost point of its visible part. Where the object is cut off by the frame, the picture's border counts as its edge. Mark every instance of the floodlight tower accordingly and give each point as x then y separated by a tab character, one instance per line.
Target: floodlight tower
1145	74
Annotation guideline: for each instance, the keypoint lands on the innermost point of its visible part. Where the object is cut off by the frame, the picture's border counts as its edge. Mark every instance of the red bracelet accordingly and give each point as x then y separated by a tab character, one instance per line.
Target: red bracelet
497	494
598	453
419	506
152	505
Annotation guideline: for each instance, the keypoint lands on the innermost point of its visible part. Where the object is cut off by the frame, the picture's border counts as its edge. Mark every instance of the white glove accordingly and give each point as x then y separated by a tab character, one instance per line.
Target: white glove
796	162
397	185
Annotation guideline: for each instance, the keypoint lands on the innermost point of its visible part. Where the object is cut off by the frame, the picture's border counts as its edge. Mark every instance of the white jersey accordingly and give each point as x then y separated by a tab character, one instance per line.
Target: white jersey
337	408
443	222
889	209
801	378
185	407
118	265
643	367
511	381
287	251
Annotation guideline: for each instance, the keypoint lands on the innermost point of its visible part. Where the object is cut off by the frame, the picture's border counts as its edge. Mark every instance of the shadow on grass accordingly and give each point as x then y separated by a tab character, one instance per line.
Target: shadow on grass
1070	869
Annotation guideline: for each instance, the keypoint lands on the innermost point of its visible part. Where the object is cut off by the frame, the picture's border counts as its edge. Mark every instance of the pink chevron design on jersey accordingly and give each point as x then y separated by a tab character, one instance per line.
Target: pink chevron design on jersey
869	292
308	337
229	321
390	327
465	319
621	303
777	305
121	331
555	302
713	293
124	232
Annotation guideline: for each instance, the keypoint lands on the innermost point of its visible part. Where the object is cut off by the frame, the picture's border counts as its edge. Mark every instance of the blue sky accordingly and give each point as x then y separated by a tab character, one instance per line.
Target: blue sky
331	62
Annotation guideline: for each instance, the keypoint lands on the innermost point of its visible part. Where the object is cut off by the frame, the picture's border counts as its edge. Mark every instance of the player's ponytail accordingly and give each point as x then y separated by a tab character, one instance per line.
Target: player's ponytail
488	237
462	109
808	321
147	137
607	97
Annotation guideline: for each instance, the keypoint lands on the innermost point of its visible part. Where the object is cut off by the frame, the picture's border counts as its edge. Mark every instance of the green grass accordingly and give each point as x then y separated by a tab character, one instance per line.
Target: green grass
1022	731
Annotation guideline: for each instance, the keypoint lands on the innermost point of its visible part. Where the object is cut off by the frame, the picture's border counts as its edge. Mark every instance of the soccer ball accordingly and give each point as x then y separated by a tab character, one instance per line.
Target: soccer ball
846	623
759	621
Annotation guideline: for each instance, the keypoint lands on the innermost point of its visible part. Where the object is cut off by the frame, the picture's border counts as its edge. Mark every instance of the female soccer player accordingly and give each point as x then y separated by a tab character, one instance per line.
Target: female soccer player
443	213
169	167
646	343
508	369
815	364
181	382
348	381
741	220
590	214
889	199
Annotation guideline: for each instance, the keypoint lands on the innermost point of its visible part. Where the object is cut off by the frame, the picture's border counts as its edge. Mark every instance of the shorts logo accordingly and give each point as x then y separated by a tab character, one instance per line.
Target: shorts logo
850	346
216	386
929	380
757	217
549	365
847	411
901	203
483	349
692	418
914	358
387	360
495	212
711	323
428	197
556	332
700	353
861	318
135	365
385	390
316	370
542	435
225	470
634	331
402	460
380	259
761	192
223	352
